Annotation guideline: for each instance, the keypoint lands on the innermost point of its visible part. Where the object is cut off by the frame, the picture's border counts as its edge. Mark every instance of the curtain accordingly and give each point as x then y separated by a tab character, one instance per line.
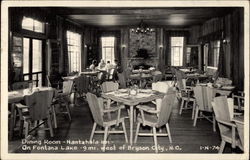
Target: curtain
221	64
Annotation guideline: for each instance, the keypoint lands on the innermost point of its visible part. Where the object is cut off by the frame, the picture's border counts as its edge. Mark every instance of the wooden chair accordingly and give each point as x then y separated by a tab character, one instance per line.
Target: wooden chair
186	96
38	105
109	86
62	99
20	85
100	118
240	129
156	119
239	100
226	126
81	85
203	98
161	87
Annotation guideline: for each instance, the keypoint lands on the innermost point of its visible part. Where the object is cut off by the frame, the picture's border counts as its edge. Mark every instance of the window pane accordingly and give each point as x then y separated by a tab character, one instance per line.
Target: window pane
177	51
32	25
26	78
74	51
26	47
38	26
37	56
27	23
108	49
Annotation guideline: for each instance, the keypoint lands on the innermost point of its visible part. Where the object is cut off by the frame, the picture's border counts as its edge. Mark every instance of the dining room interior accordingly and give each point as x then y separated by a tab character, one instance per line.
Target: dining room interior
126	80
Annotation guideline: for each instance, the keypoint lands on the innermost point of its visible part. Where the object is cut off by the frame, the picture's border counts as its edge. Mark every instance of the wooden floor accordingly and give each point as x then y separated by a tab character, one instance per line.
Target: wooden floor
186	138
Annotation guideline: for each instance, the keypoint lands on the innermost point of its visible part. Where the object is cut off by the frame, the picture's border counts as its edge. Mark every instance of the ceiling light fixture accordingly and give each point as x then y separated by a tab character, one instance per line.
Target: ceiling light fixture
142	28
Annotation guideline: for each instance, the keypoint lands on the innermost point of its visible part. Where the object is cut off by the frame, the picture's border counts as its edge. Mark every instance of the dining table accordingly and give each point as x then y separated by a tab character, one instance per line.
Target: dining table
123	96
17	96
89	73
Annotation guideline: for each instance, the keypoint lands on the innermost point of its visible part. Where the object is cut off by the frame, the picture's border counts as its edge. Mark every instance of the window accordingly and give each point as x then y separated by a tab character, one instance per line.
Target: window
33	25
213	55
108	49
74	51
32	60
177	51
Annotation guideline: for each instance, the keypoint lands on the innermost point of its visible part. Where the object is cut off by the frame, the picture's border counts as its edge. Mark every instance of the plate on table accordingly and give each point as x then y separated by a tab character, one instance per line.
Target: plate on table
123	90
228	87
146	91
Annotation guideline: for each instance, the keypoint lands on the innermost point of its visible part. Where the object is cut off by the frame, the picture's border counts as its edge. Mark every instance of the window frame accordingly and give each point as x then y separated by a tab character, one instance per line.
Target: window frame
33	26
181	59
104	47
79	46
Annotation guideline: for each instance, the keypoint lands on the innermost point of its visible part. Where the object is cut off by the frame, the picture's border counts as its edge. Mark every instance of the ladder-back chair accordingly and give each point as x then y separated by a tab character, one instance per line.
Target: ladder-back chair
203	98
156	119
226	126
38	105
100	118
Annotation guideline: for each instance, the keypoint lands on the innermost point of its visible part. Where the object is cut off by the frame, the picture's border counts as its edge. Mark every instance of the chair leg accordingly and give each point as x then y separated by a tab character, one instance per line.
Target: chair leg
54	115
186	104
50	126
68	111
26	126
93	131
124	130
181	107
134	115
193	110
105	137
196	116
214	124
168	132
137	131
155	139
222	146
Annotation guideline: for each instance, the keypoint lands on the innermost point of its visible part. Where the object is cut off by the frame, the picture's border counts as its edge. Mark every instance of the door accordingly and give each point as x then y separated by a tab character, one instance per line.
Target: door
33	61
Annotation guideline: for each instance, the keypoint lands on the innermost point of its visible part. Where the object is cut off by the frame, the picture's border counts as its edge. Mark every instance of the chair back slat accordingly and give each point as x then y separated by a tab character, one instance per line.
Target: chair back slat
203	97
81	84
166	107
109	86
122	80
67	87
221	111
20	85
160	86
221	108
95	108
39	103
210	97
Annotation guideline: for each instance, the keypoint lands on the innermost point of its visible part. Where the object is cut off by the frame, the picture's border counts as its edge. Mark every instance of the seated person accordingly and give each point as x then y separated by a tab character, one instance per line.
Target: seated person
109	66
92	67
102	65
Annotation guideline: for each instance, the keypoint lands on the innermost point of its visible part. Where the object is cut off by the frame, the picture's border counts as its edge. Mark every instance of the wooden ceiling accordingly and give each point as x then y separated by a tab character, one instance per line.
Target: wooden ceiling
112	17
